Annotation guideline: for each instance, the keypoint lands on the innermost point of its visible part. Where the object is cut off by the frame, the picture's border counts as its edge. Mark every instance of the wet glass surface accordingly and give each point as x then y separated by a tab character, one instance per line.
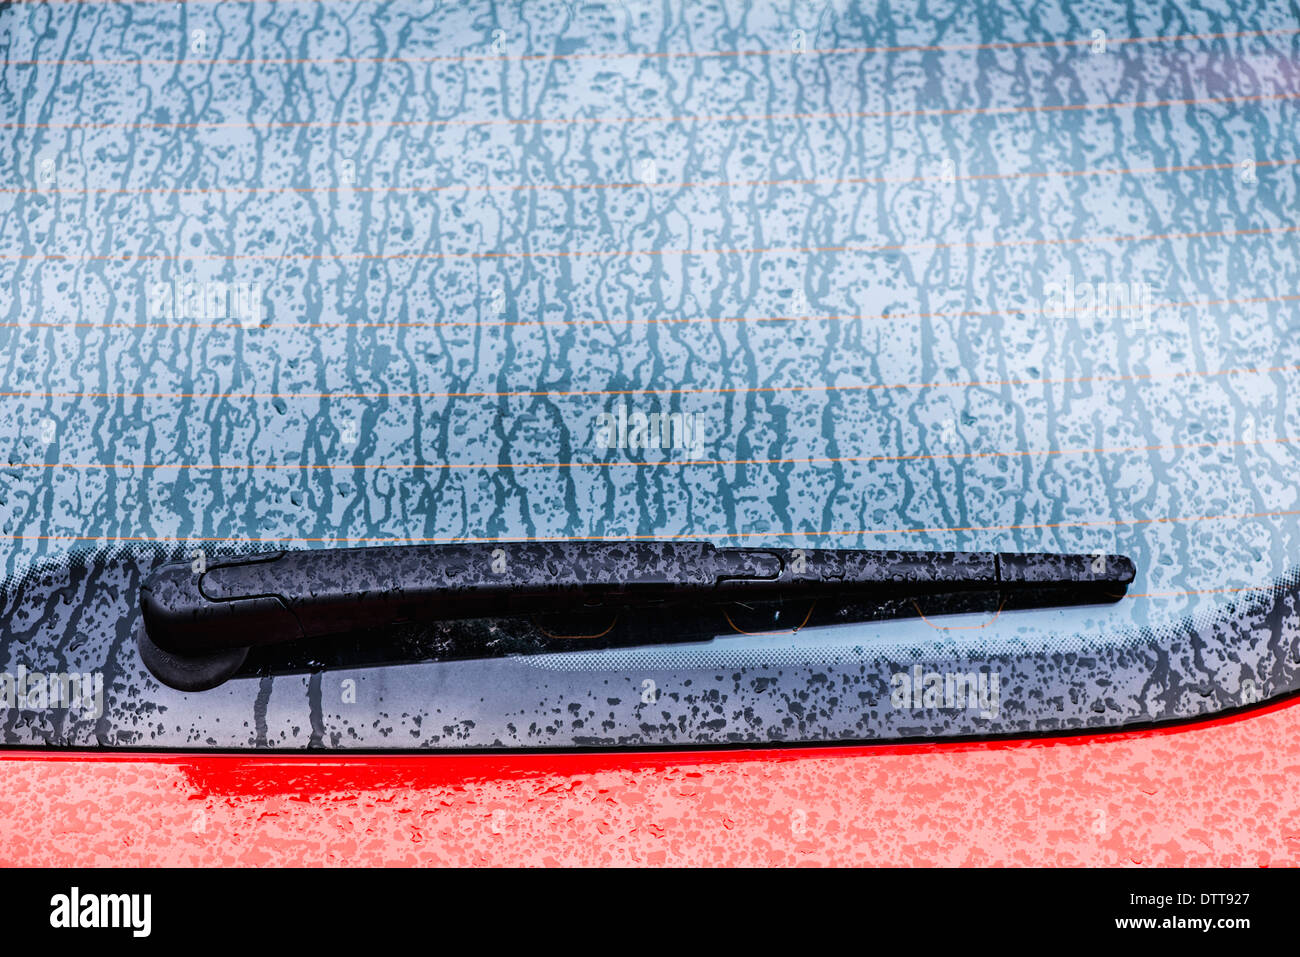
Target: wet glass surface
338	273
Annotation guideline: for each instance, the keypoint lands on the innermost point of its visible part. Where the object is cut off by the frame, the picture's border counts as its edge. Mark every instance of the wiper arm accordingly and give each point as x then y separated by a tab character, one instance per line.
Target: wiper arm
199	627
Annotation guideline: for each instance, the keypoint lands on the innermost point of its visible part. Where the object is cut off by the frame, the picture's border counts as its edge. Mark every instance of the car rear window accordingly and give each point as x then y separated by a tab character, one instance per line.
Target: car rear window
324	273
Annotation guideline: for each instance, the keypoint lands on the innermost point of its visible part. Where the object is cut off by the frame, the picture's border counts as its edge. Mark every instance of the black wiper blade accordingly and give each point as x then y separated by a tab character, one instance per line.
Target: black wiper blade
199	626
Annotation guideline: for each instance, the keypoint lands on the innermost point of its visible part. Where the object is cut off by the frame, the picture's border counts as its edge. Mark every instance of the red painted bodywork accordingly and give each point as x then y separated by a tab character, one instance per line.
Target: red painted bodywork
1221	792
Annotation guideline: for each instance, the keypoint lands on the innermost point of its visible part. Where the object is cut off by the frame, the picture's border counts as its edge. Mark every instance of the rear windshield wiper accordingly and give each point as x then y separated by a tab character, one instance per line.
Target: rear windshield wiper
199	626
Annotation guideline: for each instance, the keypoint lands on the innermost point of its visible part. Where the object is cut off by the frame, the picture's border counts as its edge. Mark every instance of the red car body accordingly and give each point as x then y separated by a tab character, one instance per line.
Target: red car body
1218	792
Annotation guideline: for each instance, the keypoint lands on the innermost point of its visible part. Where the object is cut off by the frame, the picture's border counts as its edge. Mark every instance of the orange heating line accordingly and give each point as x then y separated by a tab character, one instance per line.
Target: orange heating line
127	258
664	463
630	120
817	388
657	184
627	55
632	321
681	536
